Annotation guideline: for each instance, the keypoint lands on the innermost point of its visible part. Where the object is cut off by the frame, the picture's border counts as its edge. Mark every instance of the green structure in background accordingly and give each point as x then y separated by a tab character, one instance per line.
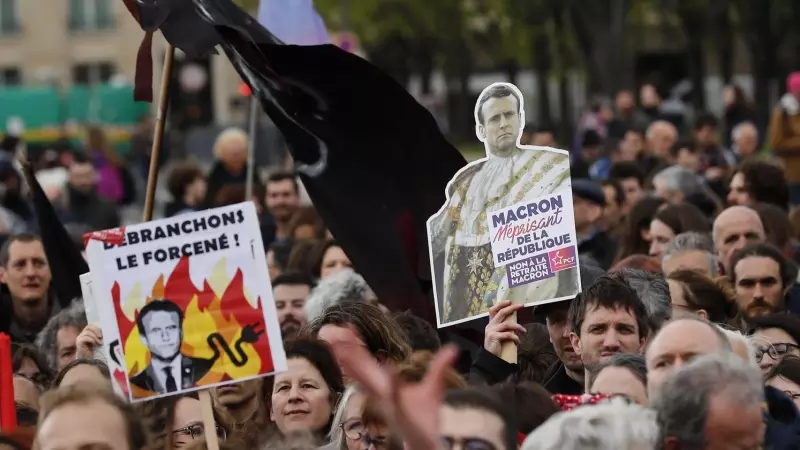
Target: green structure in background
47	113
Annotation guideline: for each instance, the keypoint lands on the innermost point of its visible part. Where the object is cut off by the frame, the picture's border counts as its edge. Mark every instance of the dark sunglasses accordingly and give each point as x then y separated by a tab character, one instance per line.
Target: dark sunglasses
775	351
469	443
197	432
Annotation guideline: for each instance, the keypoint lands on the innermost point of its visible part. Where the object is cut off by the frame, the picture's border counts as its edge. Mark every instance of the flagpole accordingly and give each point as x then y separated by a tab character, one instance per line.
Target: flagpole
158	135
251	160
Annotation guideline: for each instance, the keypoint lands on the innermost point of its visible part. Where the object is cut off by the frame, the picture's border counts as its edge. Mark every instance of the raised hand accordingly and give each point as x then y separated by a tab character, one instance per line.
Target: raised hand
412	408
90	339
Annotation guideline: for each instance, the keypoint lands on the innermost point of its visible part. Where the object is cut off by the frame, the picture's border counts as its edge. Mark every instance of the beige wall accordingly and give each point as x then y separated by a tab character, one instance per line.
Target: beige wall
46	45
46	48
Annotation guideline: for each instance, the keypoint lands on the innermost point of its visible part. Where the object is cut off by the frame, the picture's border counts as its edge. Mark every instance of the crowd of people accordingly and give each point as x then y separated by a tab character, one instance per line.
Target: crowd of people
685	334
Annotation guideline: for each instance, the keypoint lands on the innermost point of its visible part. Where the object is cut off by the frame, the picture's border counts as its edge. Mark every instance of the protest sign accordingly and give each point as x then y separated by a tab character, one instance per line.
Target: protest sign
110	352
191	301
507	228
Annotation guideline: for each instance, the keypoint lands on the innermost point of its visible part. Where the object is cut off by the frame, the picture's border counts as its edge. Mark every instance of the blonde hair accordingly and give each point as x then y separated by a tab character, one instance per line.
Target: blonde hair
336	434
227	137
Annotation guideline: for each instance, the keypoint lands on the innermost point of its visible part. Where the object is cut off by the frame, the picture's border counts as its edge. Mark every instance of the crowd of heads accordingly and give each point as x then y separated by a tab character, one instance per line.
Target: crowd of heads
684	334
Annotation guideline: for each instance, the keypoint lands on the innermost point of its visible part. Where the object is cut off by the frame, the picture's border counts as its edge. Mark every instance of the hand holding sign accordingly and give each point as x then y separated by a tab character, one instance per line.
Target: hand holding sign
90	339
500	331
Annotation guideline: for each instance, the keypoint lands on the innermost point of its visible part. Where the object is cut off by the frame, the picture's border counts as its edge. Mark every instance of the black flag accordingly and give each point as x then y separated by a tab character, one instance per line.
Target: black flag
66	262
181	27
372	159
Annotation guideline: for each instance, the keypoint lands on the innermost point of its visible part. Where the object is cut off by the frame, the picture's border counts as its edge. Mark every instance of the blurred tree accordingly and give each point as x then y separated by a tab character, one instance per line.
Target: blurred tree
695	18
600	30
764	24
723	26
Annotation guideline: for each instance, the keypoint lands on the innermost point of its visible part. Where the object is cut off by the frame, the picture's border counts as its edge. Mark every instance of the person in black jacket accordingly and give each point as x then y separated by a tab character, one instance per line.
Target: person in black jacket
594	243
565	376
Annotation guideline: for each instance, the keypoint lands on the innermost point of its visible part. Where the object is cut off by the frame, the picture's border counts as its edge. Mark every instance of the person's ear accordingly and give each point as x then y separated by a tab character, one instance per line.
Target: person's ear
575	340
381	356
144	341
3	275
480	131
702	313
595	213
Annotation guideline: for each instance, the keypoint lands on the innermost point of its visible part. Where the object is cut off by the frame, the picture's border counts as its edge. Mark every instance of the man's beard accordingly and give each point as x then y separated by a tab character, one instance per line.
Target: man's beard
282	213
290	327
759	307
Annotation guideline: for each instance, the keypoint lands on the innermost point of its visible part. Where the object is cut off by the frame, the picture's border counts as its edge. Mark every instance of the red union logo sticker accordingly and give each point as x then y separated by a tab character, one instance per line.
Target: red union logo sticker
562	259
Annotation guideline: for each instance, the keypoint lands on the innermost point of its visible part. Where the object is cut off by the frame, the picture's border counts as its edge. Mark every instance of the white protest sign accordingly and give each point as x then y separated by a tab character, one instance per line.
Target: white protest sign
190	301
103	353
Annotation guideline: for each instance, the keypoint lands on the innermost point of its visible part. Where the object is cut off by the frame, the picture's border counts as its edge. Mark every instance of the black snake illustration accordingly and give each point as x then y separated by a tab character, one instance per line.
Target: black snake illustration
250	334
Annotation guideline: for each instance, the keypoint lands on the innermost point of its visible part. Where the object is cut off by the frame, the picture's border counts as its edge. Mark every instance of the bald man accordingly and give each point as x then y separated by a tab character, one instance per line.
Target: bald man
677	343
661	136
734	228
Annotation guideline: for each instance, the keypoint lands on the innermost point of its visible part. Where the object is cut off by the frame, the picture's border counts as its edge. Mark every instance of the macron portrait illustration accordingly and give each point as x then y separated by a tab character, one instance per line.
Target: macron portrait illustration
160	325
466	281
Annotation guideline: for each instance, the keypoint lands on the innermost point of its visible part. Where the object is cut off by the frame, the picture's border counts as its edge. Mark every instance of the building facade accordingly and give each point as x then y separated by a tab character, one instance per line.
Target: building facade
67	42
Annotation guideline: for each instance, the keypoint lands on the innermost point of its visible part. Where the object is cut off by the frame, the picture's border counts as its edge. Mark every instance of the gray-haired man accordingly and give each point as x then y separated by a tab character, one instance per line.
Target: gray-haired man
690	251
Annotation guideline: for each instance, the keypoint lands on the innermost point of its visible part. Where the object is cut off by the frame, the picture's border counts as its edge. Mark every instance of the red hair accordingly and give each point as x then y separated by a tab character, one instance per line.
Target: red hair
637	261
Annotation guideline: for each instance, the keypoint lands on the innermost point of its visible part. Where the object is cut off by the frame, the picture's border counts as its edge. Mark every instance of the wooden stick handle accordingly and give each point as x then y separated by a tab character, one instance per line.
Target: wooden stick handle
158	135
508	352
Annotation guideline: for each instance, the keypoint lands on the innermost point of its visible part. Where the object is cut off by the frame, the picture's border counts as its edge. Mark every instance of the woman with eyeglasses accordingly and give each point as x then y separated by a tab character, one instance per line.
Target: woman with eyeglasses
773	337
347	425
375	433
175	422
304	397
785	377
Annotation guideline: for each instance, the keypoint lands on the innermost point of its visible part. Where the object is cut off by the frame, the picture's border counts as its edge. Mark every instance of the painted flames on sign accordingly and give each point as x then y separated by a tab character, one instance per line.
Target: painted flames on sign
223	305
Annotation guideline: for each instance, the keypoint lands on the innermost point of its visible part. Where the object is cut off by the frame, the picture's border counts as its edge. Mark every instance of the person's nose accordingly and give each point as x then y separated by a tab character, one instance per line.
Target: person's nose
503	121
565	333
29	270
678	362
294	394
611	340
757	291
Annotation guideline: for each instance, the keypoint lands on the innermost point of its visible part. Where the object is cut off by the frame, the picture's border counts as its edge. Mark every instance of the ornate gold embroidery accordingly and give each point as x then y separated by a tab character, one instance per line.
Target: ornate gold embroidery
559	159
483	282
